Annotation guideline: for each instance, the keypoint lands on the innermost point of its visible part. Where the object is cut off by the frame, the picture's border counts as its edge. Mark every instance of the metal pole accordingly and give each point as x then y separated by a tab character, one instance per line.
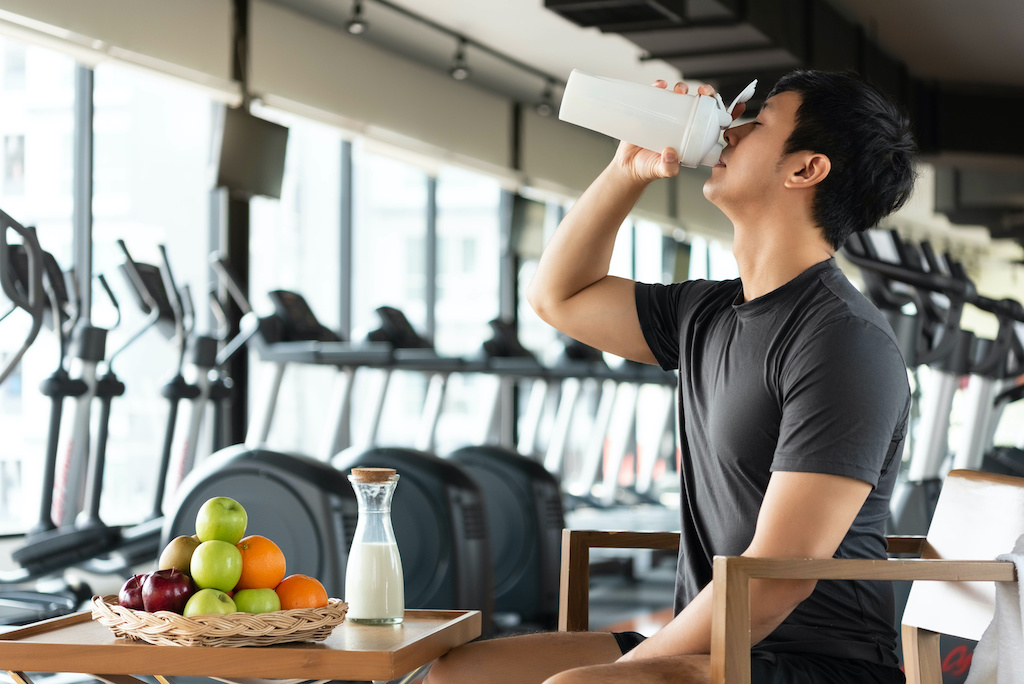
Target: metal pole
82	199
431	257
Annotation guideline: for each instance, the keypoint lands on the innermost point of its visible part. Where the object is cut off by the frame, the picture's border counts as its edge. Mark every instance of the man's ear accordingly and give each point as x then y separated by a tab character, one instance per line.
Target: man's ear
813	168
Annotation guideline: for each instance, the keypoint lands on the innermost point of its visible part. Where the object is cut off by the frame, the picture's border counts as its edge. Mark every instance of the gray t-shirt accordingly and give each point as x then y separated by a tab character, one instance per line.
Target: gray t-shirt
806	378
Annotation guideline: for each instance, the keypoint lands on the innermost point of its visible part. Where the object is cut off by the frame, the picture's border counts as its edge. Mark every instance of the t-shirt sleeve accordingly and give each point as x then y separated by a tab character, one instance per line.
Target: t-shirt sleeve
845	399
657	307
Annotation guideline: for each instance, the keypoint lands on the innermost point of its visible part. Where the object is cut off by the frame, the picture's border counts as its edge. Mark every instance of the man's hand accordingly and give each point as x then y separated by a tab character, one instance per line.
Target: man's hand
645	166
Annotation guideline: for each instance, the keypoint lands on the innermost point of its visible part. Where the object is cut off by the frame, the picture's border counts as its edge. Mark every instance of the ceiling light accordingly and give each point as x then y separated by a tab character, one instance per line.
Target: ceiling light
460	70
546	106
357	25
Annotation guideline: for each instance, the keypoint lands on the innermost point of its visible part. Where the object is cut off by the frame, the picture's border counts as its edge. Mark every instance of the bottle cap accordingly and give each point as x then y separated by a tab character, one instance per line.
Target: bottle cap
373	474
704	143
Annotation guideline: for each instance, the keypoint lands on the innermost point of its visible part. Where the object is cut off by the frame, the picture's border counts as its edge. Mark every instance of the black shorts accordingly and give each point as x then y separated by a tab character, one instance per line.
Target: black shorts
798	668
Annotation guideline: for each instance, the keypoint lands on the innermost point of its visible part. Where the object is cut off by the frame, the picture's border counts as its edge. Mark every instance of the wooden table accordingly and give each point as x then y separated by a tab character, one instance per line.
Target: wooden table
379	653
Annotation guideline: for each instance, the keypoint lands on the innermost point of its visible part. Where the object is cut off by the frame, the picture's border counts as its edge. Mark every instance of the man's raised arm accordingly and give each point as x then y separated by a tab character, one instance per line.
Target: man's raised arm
571	289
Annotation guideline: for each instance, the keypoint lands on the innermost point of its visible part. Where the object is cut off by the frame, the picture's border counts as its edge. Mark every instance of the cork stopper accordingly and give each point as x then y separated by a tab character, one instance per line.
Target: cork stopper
373	474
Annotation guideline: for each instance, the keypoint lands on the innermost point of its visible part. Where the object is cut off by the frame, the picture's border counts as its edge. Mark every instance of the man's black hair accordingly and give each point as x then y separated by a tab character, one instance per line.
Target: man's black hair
866	138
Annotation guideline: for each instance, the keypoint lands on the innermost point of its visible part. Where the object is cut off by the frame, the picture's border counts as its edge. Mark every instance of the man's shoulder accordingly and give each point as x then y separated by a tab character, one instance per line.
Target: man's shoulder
689	294
846	306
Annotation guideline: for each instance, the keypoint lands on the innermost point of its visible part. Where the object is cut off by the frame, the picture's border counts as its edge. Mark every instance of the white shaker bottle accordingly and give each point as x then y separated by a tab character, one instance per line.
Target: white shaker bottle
652	118
374	583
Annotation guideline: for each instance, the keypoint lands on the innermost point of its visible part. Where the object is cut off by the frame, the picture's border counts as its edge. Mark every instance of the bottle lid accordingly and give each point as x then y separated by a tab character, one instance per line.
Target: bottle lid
703	144
373	474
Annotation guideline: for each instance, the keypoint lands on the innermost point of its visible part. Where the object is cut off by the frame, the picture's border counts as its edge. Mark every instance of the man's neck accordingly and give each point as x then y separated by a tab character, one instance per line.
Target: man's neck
769	256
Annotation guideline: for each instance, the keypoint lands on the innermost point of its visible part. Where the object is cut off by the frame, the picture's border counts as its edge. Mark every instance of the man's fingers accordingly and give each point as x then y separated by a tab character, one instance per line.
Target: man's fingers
682	87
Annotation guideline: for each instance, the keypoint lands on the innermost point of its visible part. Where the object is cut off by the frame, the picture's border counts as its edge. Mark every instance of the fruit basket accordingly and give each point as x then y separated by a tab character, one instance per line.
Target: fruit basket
165	628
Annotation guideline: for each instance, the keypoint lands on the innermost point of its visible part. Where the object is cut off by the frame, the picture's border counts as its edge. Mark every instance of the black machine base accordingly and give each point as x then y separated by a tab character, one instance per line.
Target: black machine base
525	519
305	506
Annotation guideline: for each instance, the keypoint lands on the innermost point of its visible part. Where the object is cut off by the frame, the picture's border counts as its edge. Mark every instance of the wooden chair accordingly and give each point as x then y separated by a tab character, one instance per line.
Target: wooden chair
978	517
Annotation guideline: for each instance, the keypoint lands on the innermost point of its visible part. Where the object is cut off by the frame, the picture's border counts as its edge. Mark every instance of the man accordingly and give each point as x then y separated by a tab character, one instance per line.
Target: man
793	394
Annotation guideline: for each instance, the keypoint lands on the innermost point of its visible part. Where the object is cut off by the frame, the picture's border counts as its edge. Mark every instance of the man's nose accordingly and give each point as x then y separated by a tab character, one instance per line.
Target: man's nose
735	134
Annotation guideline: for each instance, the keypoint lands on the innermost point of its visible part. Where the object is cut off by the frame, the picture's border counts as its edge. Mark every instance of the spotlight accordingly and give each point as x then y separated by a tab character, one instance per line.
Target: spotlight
460	70
546	106
357	25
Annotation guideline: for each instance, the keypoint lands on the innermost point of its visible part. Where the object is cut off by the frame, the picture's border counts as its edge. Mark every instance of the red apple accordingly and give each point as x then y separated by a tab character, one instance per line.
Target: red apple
130	595
167	589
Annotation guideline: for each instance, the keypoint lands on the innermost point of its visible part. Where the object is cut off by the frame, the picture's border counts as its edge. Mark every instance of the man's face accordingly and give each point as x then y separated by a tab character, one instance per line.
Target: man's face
752	169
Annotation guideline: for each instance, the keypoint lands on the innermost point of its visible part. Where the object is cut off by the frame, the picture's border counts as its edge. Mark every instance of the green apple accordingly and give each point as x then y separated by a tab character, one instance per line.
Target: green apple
178	554
216	565
209	602
257	601
221	518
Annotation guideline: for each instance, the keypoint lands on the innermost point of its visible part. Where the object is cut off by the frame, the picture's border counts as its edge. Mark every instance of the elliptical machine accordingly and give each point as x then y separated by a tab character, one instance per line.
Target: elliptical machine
29	277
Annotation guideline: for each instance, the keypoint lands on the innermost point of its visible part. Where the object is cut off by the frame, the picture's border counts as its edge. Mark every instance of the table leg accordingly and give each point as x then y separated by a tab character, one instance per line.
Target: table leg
117	679
413	676
19	677
250	680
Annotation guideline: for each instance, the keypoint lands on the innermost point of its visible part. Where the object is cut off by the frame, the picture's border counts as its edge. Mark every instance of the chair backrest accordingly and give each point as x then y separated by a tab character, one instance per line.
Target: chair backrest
978	517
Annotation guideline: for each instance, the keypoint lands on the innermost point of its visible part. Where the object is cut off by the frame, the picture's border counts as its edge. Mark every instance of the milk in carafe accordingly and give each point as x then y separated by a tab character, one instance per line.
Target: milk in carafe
374	584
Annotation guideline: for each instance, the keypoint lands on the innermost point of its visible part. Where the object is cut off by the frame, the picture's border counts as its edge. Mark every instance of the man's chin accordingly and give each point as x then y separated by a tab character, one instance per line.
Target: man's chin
710	187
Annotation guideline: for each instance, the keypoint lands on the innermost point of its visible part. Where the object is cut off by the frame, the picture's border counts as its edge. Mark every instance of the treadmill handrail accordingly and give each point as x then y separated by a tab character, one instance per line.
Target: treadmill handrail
952	287
182	327
231	282
148	298
32	301
960	290
957	291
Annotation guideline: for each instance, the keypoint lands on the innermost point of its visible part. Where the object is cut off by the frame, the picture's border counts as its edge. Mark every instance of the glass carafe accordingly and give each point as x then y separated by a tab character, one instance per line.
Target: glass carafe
374	584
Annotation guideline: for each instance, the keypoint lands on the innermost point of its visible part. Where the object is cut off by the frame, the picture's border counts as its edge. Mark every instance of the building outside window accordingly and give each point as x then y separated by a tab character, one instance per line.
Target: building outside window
389	267
14	165
468	254
294	245
14	66
36	130
151	186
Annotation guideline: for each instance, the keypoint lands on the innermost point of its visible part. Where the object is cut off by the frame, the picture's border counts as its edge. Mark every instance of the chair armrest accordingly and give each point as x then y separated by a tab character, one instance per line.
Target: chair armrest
730	631
573	600
573	604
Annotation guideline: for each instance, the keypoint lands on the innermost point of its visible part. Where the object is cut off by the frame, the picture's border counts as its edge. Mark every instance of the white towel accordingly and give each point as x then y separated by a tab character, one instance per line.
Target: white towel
999	656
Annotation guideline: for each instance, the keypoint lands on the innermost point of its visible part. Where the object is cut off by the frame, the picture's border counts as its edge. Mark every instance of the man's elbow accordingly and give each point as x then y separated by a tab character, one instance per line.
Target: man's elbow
539	300
779	598
802	591
791	593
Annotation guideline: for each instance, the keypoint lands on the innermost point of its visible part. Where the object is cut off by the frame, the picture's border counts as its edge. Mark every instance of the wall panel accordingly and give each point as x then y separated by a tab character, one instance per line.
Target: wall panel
186	39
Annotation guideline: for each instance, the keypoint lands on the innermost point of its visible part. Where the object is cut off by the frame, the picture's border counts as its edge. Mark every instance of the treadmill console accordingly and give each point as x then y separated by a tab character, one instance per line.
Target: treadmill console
298	322
396	330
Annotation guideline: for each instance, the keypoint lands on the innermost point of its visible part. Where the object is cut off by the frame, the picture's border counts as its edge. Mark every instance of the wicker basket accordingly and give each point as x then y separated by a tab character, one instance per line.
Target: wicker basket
165	628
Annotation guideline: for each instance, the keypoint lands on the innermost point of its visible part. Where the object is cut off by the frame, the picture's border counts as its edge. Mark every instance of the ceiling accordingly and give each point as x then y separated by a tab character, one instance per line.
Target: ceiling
956	41
955	53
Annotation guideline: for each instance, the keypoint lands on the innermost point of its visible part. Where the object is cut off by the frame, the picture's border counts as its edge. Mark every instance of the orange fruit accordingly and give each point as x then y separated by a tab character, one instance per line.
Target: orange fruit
301	591
263	565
